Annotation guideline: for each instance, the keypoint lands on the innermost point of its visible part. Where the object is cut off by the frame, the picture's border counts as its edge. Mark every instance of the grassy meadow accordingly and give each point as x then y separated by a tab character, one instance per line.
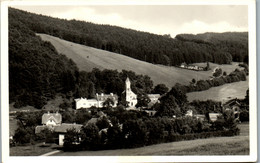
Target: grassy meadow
88	58
221	93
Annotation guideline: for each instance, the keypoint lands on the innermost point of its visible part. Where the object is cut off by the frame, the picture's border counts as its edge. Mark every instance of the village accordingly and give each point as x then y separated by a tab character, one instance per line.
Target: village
53	121
83	88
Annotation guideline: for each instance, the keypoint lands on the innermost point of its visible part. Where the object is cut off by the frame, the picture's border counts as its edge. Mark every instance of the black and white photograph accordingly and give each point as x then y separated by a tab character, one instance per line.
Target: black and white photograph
158	80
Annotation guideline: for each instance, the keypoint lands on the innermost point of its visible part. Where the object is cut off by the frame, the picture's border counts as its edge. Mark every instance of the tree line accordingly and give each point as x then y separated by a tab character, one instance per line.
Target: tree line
157	49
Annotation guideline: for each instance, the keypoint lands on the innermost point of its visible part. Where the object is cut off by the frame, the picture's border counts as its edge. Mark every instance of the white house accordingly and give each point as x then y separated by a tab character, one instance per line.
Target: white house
131	97
85	103
97	102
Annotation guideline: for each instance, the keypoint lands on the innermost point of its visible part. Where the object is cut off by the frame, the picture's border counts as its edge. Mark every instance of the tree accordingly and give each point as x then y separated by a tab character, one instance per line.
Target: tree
168	107
23	135
103	123
108	103
71	139
90	138
207	67
247	97
218	72
160	89
143	101
179	95
193	81
135	132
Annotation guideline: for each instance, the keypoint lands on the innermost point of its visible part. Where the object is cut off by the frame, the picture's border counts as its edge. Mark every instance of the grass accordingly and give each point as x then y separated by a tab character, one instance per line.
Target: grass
32	150
88	58
221	93
237	145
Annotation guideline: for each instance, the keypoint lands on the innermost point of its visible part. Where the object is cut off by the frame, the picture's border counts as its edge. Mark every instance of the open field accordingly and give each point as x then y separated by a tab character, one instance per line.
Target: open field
221	93
32	150
237	145
88	58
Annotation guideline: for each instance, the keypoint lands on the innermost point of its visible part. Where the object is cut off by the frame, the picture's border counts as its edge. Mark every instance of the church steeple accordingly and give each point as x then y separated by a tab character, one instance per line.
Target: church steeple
131	97
127	85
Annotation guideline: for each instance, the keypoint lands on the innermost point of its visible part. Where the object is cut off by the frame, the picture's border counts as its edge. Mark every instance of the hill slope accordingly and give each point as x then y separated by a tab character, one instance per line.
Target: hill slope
88	58
143	46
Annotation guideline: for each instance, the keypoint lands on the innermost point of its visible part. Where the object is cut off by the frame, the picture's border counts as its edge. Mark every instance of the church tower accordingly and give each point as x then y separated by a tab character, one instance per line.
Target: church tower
131	97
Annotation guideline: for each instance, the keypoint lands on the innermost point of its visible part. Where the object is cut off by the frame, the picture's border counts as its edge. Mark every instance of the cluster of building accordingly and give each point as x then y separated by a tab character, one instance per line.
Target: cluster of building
191	67
53	122
130	96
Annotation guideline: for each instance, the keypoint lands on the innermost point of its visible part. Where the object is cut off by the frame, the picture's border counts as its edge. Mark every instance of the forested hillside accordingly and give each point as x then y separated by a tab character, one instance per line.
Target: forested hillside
36	71
218	48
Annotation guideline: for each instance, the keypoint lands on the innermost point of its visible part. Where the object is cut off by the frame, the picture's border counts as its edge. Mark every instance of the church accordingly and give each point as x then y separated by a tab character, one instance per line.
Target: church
131	97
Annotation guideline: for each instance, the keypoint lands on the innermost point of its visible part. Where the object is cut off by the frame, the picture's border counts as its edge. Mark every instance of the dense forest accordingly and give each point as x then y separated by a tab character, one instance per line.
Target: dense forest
36	71
219	48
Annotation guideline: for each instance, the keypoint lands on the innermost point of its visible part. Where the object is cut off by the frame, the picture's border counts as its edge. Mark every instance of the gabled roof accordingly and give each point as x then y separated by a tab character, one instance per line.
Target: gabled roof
78	99
56	117
103	97
232	102
67	126
60	129
92	121
153	95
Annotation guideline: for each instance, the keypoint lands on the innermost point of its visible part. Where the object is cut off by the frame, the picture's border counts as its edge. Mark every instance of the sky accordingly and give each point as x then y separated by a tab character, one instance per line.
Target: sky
158	19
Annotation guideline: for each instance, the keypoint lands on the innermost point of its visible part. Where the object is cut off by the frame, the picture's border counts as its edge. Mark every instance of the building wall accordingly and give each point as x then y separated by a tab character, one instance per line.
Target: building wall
61	139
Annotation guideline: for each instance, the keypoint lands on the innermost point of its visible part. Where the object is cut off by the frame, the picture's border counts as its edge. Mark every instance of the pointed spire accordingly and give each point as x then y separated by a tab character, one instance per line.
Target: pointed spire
127	80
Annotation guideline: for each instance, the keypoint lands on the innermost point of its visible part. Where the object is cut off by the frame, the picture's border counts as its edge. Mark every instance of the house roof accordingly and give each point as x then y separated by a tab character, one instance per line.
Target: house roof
60	129
232	102
53	116
78	99
38	129
67	126
103	97
92	121
153	95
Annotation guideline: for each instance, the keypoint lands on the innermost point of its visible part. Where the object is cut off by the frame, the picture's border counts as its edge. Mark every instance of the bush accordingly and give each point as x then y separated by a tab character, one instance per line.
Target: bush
71	140
23	136
244	116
